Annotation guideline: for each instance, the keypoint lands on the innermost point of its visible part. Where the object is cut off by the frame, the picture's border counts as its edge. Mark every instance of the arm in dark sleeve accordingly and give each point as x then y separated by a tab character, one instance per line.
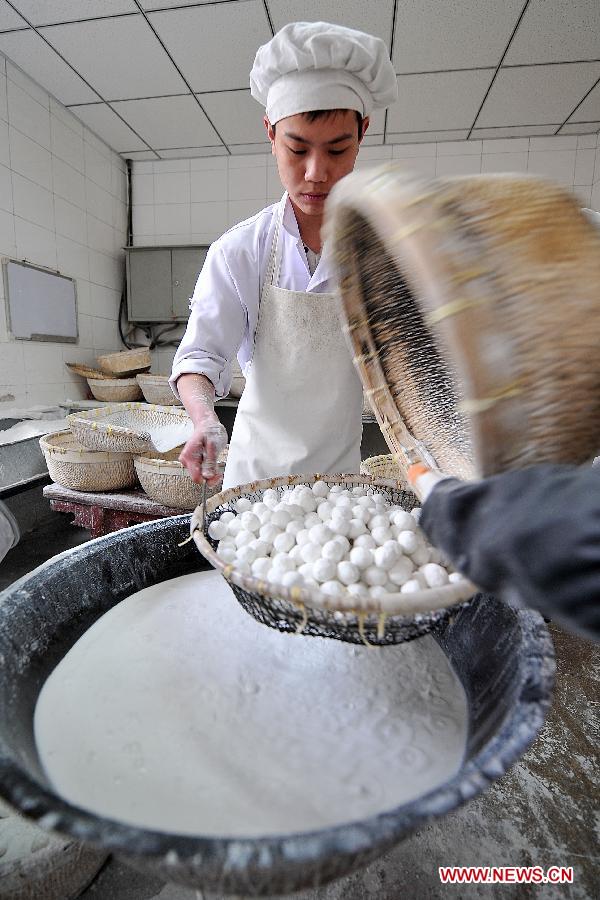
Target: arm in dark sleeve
534	532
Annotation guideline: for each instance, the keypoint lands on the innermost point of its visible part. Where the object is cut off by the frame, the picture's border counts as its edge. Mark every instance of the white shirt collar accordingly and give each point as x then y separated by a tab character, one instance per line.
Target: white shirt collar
325	270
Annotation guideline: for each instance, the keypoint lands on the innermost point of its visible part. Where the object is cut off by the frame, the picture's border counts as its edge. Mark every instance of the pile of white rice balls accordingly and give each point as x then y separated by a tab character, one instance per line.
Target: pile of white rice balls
350	543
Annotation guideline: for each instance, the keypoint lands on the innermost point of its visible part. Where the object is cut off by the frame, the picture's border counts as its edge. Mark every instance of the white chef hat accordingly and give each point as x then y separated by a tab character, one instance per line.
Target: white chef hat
316	65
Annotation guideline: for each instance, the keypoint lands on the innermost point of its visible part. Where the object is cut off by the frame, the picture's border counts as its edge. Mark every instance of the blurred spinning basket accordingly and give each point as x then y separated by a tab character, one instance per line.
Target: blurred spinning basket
473	309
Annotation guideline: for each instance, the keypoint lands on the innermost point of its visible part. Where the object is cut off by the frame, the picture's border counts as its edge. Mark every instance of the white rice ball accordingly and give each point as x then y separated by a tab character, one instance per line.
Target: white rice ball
234	525
306	570
307	501
250	521
226	552
281	518
295	527
411	586
361	557
343	541
243	537
310	552
421	555
356	528
347	573
365	540
217	530
374	576
283	561
295	511
402	519
260	509
324	510
261	567
320	489
379	521
311	519
320	534
456	577
333	589
245	554
296	555
303	537
227	517
378	592
243	504
361	513
284	542
268	532
434	574
270	498
381	535
324	570
358	589
386	555
333	550
340	526
408	541
336	488
292	579
416	513
401	571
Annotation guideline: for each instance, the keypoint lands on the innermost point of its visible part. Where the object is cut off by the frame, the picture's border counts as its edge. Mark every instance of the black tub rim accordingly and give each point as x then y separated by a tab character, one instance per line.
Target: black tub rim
367	838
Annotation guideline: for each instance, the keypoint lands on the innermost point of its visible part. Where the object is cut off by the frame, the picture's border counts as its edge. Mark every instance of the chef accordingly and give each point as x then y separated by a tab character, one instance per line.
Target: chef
267	289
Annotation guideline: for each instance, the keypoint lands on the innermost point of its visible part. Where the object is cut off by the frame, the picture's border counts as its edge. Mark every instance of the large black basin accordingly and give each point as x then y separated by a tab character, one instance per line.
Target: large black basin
503	656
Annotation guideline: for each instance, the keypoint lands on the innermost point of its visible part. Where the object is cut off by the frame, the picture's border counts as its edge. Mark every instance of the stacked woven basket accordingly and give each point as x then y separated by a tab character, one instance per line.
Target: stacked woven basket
111	449
115	381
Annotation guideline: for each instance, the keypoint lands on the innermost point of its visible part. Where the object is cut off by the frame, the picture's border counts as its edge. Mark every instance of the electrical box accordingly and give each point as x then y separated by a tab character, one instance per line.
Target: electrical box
161	280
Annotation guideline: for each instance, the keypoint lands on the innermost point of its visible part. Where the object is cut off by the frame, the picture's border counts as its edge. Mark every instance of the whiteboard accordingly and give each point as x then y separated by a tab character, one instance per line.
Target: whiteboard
41	305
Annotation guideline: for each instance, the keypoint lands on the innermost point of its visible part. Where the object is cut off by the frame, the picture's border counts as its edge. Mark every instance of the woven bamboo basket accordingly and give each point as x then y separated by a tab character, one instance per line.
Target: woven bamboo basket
72	466
473	309
165	480
238	382
384	466
126	362
307	610
115	390
130	427
156	389
86	371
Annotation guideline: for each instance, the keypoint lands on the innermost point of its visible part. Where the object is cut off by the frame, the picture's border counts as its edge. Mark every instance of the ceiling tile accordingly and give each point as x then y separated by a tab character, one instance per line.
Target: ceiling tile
27	50
374	18
169	122
40	12
193	152
169	4
589	109
438	102
419	137
230	33
552	31
9	18
236	115
431	36
108	126
121	58
580	128
514	131
536	95
140	154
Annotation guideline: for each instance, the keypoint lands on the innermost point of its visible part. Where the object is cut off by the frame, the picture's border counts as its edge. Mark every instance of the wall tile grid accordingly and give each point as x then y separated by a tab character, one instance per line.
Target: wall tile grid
196	200
63	197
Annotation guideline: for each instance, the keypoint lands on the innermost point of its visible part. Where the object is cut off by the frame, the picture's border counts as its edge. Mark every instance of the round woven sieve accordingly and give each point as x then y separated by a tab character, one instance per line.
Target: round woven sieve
473	309
307	611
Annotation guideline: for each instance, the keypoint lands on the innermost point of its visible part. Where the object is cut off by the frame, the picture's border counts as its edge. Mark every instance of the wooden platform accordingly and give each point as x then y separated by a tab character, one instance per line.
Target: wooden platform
104	512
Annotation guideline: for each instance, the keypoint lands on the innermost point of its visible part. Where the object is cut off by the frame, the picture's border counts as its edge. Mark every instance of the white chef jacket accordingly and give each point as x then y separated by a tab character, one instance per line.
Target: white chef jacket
224	307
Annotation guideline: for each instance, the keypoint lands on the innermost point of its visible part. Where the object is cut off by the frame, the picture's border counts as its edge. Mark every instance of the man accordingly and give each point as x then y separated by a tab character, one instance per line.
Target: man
266	291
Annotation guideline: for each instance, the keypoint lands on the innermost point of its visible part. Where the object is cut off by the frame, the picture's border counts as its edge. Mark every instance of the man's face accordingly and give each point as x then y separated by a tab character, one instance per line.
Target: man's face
313	156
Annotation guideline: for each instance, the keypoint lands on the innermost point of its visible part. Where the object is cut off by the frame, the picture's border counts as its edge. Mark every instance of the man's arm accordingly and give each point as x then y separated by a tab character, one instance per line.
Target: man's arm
199	456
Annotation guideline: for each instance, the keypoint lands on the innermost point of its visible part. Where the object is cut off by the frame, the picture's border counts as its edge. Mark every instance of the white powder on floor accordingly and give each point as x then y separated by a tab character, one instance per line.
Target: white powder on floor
22	431
178	711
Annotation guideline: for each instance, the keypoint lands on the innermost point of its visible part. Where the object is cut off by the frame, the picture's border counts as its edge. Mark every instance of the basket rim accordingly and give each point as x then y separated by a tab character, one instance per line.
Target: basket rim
77	454
154	465
108	382
92	418
424	601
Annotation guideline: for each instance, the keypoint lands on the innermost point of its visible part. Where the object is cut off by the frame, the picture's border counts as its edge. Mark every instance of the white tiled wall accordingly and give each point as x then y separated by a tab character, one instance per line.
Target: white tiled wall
194	201
62	205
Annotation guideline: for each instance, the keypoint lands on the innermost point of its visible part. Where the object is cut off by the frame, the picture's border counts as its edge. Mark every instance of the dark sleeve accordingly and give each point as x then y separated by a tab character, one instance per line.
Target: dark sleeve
535	532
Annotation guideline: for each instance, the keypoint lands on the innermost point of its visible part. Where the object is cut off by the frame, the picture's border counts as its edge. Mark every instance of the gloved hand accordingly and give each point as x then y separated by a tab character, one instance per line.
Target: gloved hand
532	534
200	454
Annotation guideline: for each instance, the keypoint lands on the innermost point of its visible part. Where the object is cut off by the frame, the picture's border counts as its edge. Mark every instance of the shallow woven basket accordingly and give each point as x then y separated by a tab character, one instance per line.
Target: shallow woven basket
128	427
126	362
72	466
384	466
156	389
115	390
306	610
86	371
473	309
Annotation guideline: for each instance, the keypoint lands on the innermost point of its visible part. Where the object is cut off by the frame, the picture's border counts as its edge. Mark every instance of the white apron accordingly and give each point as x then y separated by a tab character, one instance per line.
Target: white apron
301	410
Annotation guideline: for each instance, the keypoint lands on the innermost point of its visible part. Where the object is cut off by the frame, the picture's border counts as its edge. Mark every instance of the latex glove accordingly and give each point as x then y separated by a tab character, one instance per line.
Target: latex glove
200	454
531	535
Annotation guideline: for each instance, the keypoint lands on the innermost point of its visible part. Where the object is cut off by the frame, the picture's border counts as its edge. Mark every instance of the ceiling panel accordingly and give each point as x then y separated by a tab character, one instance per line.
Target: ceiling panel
555	30
214	45
121	58
589	109
193	152
9	18
433	36
581	128
109	127
34	56
142	155
169	122
43	12
439	101
169	4
424	137
516	131
236	115
536	95
372	17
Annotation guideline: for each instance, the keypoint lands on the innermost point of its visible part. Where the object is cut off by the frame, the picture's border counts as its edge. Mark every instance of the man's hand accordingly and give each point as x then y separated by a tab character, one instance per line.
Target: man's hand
200	454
